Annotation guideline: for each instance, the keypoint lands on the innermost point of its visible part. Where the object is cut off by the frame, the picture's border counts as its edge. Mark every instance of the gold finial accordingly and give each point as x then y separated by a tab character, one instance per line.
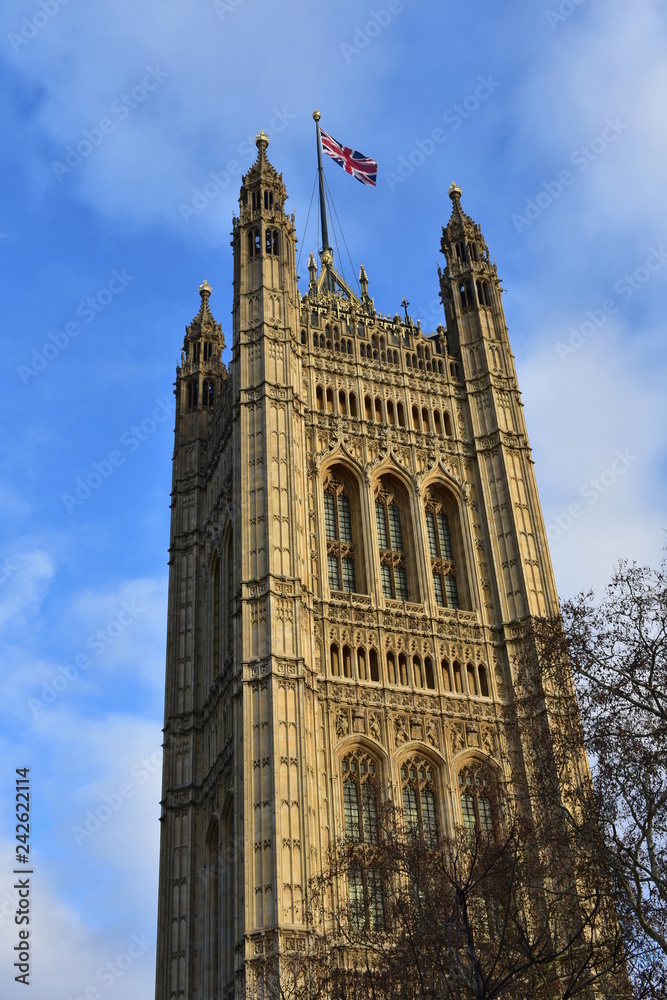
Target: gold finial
454	191
205	288
316	115
261	140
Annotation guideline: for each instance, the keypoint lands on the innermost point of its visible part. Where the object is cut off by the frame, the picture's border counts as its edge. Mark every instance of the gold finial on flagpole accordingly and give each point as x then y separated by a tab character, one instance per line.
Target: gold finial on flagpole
316	115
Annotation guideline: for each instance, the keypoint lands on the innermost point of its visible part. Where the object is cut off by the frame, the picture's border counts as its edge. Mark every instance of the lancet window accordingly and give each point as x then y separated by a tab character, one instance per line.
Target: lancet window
476	800
192	394
443	566
359	772
208	392
419	798
393	567
338	530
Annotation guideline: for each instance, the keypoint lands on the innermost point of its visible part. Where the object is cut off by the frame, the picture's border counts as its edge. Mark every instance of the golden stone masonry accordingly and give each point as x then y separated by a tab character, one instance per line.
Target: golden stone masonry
356	545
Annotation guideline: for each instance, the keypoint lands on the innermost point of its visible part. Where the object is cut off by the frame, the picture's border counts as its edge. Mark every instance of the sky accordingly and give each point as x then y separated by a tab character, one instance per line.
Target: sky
126	128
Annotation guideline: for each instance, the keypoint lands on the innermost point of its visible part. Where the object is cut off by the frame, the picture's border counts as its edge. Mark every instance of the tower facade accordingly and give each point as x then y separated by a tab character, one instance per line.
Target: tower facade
357	544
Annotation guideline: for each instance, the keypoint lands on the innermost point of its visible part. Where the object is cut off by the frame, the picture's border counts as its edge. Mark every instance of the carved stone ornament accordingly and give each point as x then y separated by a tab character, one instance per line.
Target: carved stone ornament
342	724
375	727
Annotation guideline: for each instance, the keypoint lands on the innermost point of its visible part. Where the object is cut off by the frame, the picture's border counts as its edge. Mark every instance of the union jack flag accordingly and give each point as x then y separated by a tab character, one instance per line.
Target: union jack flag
351	160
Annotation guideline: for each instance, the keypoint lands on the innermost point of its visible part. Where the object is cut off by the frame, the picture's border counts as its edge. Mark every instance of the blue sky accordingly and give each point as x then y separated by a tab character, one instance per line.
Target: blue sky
549	115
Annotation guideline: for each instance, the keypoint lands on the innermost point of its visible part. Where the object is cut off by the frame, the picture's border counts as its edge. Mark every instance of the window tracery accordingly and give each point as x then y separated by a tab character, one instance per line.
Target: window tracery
476	800
419	798
338	530
443	566
393	566
360	775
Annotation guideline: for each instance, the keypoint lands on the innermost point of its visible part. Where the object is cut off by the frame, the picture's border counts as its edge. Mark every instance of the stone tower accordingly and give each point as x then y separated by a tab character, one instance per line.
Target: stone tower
356	544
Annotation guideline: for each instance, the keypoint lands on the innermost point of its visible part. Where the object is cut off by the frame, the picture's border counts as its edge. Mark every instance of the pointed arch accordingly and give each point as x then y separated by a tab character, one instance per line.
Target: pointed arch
478	782
392	493
228	877
212	908
227	594
442	505
342	524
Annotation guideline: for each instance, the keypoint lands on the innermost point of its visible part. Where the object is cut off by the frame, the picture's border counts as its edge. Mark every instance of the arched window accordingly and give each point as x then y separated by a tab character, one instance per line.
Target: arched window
335	660
227	880
208	392
319	396
390	537
483	681
193	394
466	295
484	293
341	521
215	573
359	772
443	566
254	243
403	669
419	800
228	592
212	947
417	671
353	405
476	803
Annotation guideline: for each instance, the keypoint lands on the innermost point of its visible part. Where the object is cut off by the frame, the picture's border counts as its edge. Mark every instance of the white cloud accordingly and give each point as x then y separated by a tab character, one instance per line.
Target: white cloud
24	579
598	436
91	894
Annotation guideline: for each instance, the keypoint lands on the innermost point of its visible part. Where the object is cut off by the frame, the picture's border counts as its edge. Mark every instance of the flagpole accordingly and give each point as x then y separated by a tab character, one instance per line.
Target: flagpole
323	210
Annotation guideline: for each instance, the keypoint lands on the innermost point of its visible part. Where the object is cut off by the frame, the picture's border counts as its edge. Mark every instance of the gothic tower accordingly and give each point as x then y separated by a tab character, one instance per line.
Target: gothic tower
356	544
